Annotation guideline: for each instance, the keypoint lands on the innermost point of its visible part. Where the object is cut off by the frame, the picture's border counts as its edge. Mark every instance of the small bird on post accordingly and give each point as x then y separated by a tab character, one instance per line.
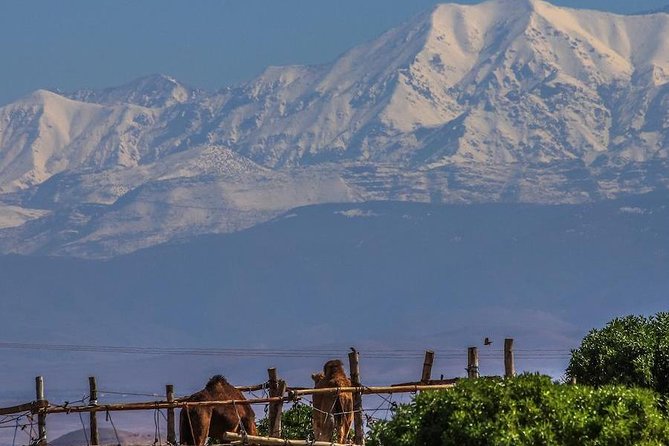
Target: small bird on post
487	341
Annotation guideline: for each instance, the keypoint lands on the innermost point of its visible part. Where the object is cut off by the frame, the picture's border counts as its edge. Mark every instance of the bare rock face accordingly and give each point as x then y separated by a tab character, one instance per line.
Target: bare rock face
504	101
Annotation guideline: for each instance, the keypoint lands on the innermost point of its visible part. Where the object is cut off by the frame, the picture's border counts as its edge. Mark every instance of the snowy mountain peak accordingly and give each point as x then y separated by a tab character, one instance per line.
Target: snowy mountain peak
155	91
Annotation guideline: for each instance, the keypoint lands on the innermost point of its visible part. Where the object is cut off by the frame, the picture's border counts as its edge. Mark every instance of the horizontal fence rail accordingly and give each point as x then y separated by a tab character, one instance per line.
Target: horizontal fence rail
371	390
154	405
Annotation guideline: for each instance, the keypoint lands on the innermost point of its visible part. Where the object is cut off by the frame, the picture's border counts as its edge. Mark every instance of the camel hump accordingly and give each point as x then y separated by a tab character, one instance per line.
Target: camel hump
216	379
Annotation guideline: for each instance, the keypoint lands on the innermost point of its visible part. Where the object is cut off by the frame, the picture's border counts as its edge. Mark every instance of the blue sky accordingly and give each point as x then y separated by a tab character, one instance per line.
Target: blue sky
209	43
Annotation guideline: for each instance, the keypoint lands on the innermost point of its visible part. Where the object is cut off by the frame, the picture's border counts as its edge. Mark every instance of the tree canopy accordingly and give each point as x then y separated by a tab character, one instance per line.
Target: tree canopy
632	351
528	410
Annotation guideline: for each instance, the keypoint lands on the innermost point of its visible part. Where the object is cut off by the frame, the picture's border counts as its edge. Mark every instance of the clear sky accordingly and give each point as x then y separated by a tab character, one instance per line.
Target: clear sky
71	44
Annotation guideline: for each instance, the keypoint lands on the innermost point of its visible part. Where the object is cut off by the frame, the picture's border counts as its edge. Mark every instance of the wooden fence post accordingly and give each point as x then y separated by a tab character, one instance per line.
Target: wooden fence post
93	417
509	366
472	362
41	415
358	427
171	431
275	409
427	366
275	428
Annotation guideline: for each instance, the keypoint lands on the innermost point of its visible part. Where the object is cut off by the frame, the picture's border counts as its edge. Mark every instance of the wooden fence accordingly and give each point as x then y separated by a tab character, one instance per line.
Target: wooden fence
279	393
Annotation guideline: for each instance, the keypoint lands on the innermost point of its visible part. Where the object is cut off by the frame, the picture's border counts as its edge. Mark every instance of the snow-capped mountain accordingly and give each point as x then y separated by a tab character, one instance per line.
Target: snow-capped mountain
507	100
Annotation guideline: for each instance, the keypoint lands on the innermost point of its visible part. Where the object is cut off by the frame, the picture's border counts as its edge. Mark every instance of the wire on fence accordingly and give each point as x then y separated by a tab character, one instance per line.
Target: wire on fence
108	418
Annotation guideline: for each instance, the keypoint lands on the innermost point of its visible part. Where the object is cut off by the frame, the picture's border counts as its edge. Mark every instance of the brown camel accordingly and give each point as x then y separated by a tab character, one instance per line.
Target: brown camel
333	413
198	423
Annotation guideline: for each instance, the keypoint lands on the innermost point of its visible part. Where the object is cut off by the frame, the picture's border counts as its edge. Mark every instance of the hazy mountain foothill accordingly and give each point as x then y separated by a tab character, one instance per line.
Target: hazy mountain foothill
106	436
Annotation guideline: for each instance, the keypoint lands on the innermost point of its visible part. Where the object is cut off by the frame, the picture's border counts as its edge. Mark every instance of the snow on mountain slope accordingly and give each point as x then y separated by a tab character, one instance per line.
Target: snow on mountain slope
12	216
45	134
506	100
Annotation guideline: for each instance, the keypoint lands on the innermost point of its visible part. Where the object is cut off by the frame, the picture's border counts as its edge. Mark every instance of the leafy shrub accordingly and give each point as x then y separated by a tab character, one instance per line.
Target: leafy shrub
295	423
632	351
528	410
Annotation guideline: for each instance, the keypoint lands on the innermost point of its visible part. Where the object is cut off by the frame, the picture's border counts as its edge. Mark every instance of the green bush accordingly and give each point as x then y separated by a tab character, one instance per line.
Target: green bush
633	351
528	410
295	423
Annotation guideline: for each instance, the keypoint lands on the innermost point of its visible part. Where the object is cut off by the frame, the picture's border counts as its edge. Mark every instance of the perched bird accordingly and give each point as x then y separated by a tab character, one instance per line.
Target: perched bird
487	341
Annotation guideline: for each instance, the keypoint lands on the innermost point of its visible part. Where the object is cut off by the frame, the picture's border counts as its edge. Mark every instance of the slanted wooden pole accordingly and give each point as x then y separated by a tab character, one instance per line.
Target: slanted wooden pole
472	362
239	439
358	426
93	416
509	366
427	366
252	388
26	407
41	415
171	431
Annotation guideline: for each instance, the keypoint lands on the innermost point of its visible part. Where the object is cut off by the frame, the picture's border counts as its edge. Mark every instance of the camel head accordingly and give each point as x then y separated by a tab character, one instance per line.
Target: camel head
333	368
317	377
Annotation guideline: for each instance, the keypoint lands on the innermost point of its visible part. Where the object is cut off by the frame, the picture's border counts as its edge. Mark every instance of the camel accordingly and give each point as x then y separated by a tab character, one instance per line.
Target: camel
333	413
198	423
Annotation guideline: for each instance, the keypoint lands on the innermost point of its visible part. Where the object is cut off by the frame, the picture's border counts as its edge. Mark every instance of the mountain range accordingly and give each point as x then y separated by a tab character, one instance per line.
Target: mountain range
503	101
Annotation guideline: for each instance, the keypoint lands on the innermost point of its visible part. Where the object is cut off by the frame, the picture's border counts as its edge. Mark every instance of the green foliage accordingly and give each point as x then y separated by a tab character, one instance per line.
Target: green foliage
632	351
528	410
295	423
